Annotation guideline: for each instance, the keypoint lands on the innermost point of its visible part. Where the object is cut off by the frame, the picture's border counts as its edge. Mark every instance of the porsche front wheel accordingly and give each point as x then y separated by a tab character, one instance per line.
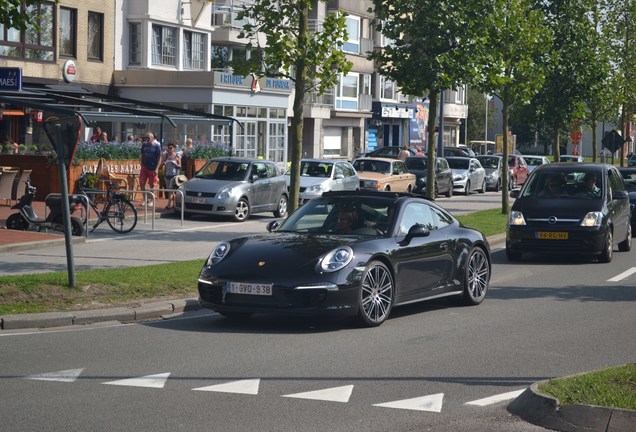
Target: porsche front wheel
376	294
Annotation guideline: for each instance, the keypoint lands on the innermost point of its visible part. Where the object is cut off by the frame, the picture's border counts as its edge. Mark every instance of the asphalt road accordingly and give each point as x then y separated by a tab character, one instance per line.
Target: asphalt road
431	367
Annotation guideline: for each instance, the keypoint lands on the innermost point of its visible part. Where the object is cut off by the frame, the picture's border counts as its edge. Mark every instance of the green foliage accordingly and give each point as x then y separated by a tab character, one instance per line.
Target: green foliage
114	151
490	222
13	15
208	151
613	387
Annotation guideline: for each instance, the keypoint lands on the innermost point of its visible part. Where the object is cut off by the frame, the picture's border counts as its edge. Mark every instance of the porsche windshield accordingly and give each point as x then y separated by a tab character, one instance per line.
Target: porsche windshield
367	216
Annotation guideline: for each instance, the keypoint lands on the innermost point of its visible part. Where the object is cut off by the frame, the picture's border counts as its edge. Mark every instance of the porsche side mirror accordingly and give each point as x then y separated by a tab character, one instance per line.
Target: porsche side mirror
273	225
417	230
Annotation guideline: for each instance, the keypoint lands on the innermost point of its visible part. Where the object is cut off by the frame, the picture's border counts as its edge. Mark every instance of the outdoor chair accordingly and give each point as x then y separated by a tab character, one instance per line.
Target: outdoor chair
6	185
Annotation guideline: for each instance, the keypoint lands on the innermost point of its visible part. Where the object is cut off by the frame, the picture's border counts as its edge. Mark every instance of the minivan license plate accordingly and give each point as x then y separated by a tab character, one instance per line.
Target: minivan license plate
249	288
543	235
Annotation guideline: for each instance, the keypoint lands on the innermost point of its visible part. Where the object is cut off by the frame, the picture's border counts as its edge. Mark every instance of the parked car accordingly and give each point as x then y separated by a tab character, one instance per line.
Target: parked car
383	174
443	175
458	151
555	212
629	178
494	170
468	174
235	187
571	158
631	161
390	152
324	175
518	169
316	262
535	161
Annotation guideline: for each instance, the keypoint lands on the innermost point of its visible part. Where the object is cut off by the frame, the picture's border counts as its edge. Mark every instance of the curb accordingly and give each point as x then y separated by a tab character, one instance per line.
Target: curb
546	411
137	313
26	246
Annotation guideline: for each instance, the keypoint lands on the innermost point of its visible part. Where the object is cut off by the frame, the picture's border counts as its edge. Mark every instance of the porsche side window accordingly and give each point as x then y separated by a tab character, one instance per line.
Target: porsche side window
416	213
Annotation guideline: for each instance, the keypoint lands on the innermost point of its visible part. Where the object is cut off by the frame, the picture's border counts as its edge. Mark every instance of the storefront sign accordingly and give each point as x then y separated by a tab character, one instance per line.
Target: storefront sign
397	112
68	71
113	167
278	85
10	78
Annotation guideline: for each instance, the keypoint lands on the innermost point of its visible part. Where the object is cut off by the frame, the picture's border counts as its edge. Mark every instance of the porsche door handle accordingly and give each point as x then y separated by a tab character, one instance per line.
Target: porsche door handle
443	246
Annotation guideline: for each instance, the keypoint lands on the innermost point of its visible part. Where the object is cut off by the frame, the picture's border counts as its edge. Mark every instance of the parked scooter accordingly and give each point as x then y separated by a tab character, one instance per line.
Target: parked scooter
27	220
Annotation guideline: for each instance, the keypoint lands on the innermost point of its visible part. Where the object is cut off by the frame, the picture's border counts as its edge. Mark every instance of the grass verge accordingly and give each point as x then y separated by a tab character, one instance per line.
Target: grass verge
614	387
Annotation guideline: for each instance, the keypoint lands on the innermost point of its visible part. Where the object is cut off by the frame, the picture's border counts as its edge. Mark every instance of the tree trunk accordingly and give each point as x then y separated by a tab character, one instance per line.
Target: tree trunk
296	133
505	172
432	145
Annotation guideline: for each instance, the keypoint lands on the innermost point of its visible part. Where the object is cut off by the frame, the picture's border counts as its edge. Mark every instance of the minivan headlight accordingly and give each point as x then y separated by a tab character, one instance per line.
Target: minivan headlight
592	219
516	218
315	188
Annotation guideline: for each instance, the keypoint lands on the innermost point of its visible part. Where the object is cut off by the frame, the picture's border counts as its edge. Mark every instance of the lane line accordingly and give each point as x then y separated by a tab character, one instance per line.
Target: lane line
496	398
624	275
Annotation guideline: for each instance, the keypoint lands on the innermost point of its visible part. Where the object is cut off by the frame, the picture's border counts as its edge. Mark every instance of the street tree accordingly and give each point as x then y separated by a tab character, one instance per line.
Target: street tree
432	45
512	68
569	70
16	13
284	43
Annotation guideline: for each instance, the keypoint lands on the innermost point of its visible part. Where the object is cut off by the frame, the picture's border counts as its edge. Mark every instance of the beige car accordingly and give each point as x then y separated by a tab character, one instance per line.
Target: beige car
384	174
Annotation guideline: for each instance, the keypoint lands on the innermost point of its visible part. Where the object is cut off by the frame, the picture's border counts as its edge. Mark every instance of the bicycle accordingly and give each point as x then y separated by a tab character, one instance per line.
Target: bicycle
117	211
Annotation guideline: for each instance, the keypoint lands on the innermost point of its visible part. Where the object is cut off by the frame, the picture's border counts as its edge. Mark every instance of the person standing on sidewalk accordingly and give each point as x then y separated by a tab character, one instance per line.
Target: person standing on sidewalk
150	158
172	168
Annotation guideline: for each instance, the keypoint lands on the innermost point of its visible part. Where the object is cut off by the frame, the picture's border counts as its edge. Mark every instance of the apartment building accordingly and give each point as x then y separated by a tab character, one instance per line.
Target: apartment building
73	46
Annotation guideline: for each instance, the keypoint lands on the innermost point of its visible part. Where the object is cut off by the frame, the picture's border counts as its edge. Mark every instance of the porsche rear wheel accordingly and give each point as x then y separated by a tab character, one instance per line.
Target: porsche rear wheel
376	295
477	277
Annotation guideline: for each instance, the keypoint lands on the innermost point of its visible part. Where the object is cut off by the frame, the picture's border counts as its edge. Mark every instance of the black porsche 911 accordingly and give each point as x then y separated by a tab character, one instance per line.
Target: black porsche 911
349	253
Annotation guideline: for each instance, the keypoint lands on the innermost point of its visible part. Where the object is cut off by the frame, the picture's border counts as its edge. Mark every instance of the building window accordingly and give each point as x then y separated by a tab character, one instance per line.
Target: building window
220	57
32	43
347	92
95	36
387	89
352	45
277	140
194	50
134	48
164	45
68	32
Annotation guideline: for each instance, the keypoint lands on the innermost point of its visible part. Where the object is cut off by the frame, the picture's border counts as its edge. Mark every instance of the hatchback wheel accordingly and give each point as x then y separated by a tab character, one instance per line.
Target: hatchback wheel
467	189
606	255
376	295
449	192
477	277
626	245
281	211
242	210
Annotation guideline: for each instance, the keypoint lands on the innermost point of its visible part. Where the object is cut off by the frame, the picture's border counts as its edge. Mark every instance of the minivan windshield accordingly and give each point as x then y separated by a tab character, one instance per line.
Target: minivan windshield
566	184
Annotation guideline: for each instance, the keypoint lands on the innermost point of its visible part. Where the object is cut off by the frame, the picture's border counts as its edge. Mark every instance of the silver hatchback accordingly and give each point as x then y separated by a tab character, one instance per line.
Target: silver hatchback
324	175
235	187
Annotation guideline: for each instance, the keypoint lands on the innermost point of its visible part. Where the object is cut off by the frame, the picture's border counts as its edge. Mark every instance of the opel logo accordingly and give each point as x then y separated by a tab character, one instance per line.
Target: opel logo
261	263
552	220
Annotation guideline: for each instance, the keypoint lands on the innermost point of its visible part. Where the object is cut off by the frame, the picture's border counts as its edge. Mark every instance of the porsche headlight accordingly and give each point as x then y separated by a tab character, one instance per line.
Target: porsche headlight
225	193
516	218
218	253
337	259
592	219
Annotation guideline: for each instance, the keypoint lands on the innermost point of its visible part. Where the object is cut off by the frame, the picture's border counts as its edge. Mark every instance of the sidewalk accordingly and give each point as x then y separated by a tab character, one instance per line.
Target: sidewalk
11	240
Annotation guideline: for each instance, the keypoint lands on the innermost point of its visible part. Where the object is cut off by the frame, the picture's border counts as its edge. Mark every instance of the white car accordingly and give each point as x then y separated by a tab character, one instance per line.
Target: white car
468	174
535	161
324	175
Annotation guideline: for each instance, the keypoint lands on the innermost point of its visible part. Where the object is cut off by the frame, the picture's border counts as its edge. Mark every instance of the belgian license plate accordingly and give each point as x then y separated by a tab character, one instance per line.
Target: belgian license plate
198	200
249	288
543	235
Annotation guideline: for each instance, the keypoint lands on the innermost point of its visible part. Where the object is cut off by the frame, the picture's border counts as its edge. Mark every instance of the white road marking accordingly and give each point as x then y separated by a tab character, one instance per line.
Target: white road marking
496	398
242	387
432	403
625	274
150	381
69	375
334	394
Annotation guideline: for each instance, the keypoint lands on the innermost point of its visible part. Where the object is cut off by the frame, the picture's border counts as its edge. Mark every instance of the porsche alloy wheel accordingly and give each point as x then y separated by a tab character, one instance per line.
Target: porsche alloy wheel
477	277
376	294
